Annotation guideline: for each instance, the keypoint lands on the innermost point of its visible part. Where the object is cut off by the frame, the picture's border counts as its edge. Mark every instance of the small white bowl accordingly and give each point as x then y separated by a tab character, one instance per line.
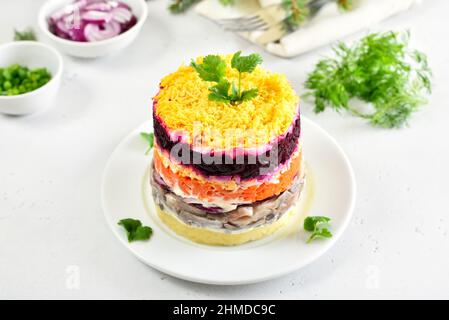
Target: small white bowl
33	55
92	49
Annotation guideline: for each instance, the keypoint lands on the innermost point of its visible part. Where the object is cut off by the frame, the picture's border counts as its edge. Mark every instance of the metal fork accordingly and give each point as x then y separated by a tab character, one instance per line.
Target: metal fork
249	22
262	19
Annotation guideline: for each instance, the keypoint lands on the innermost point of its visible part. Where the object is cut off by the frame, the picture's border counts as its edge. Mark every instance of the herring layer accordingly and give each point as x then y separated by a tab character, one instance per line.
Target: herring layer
242	217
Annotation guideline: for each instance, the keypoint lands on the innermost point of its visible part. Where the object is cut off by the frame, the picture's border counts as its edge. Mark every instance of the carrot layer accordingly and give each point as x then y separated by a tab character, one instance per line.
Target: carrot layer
208	190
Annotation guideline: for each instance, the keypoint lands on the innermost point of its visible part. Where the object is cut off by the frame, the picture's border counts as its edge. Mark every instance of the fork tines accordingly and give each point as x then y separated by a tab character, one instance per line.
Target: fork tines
245	23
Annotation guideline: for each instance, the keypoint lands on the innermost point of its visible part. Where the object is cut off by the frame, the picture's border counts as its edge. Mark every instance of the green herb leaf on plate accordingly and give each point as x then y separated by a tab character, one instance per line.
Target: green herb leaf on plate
142	233
319	226
310	223
148	137
134	229
320	233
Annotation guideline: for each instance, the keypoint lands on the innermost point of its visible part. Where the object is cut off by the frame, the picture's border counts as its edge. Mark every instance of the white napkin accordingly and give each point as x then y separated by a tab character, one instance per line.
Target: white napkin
329	25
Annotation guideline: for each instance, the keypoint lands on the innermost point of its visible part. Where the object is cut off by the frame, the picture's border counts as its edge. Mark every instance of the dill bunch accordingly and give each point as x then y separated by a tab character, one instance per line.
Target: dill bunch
381	70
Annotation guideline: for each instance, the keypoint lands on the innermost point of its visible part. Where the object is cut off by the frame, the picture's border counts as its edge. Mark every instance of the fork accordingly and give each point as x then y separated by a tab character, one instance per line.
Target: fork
263	19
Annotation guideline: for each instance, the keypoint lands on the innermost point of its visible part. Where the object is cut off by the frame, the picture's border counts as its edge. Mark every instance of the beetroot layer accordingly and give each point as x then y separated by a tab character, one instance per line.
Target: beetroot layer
227	167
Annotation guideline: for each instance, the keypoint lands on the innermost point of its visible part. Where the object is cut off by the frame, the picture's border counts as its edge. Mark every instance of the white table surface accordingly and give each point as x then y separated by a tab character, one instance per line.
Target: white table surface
52	229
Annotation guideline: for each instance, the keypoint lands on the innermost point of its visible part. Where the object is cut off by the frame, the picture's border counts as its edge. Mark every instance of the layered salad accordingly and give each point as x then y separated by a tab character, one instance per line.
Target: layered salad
226	172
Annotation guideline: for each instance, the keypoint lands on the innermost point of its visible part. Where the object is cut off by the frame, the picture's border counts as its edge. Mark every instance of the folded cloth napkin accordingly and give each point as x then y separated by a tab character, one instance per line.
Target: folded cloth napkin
329	25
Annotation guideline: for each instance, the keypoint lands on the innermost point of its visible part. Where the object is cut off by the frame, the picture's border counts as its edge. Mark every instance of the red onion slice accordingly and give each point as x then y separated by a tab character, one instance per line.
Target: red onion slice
67	10
80	4
121	15
118	4
96	16
61	26
92	20
78	35
61	13
72	21
99	6
93	32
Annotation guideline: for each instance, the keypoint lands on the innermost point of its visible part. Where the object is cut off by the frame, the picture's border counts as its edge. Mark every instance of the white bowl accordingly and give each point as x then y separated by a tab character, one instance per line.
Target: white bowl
31	54
92	49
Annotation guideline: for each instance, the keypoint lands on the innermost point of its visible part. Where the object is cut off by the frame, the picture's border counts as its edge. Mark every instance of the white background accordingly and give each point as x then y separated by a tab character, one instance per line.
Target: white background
51	163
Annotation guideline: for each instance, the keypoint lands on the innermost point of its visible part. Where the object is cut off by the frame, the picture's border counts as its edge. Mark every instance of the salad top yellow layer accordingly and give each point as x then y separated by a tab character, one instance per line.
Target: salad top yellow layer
183	105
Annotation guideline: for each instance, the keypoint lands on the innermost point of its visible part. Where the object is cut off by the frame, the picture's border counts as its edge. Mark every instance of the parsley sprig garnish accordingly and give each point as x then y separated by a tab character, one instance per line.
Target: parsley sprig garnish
381	70
319	226
135	230
213	69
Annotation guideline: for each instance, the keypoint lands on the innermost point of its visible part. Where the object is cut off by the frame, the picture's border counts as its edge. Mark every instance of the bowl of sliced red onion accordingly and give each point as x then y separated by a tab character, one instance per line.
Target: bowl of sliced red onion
92	28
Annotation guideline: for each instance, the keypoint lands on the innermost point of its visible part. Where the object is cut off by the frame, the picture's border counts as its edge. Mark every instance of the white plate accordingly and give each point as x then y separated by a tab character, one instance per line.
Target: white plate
330	191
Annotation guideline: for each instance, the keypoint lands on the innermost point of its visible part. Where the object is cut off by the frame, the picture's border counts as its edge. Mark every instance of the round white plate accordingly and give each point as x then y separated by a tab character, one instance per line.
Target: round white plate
330	191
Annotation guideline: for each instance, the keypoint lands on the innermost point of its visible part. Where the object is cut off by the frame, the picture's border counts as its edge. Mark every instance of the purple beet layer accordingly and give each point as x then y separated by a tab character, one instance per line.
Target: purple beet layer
227	167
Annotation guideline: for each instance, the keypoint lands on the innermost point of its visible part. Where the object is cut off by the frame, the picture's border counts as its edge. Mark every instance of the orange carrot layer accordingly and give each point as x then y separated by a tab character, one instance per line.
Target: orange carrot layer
207	190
